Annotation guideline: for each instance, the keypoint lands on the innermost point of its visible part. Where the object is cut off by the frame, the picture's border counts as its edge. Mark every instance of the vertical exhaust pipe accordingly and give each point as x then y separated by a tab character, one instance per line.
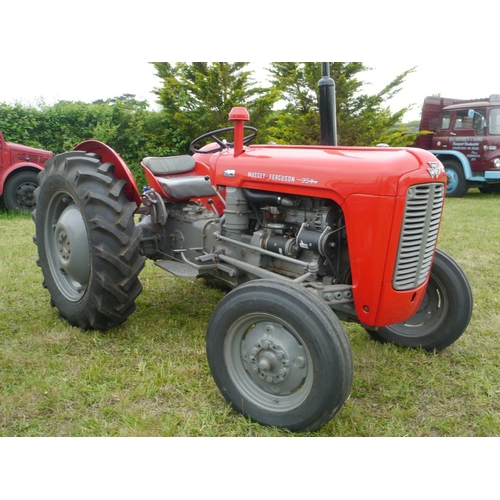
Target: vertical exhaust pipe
327	109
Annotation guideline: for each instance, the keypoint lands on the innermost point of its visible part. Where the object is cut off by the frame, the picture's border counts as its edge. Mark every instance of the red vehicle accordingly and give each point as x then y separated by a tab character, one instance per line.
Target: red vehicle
19	167
466	139
302	236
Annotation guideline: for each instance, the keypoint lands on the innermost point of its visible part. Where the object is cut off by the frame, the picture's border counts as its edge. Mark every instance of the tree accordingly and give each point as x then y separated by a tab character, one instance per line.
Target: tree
197	97
19	124
362	119
123	123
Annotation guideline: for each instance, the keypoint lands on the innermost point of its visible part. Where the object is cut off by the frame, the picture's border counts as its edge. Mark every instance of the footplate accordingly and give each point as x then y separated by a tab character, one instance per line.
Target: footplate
178	269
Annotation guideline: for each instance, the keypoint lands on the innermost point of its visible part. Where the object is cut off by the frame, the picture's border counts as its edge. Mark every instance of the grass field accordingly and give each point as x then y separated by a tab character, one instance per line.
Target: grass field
149	377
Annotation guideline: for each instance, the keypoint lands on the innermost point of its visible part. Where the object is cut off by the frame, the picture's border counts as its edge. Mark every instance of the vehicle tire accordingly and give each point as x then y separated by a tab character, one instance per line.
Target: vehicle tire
457	185
279	355
493	188
18	192
443	315
88	244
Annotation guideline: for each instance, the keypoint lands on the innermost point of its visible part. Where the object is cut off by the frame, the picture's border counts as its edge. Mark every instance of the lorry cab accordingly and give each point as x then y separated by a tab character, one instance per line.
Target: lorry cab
473	129
465	136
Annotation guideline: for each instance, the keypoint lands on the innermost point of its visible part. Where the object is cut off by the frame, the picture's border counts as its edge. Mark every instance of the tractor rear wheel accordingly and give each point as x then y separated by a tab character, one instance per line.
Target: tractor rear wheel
279	355
88	244
443	315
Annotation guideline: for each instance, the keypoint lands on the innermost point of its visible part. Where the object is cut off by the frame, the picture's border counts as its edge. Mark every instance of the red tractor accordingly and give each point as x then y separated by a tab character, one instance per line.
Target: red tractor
19	167
304	237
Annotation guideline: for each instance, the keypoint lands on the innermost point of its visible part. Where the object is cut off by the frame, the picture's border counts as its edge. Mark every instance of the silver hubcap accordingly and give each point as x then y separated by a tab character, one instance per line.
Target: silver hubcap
268	362
67	246
71	244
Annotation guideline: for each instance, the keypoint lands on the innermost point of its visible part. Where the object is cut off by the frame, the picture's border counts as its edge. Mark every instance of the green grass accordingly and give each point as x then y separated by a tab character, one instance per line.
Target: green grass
149	377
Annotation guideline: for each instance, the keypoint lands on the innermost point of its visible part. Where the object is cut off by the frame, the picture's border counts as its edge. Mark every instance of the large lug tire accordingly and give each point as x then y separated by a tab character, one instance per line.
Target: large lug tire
444	314
279	355
88	244
18	192
457	185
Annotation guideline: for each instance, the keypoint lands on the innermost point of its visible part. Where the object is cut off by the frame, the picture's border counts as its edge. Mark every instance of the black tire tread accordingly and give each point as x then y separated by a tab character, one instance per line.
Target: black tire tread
8	197
452	328
314	412
114	240
463	186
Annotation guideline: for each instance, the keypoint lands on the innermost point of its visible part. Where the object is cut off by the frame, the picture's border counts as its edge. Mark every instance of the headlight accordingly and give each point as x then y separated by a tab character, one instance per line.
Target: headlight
496	162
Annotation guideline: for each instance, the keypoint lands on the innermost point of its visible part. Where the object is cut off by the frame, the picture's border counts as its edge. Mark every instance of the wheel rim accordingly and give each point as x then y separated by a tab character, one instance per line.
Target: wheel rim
453	180
67	246
268	362
430	315
24	195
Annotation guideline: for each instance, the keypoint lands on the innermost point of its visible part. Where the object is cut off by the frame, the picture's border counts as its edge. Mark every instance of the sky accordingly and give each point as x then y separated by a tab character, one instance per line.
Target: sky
109	79
54	51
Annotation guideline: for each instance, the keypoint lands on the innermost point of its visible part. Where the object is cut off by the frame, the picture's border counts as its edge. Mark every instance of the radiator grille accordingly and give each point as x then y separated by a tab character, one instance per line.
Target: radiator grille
424	205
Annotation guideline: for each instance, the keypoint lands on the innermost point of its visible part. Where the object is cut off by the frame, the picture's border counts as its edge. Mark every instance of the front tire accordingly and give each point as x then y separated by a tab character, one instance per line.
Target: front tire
88	243
444	314
489	189
457	186
279	355
18	193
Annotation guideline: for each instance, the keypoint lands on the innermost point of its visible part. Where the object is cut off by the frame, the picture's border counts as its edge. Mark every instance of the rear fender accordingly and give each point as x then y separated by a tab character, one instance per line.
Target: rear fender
121	169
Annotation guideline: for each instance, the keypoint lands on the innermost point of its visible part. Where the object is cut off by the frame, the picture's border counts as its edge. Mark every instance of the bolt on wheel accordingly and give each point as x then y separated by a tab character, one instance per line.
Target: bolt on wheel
267	359
88	243
279	355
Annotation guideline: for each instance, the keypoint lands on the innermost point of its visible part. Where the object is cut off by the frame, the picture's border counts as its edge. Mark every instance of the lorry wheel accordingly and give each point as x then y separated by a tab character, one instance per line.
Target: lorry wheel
493	188
88	244
18	193
443	315
457	186
279	355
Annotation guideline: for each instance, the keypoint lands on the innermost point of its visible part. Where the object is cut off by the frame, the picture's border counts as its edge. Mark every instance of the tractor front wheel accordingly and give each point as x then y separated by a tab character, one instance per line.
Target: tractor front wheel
88	244
443	315
279	355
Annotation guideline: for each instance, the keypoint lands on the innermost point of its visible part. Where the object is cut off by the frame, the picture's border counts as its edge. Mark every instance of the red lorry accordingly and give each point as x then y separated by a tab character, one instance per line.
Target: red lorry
465	137
19	167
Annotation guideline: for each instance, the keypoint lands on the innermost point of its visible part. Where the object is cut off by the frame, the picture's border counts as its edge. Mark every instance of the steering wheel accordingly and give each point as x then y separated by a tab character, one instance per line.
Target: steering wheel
222	144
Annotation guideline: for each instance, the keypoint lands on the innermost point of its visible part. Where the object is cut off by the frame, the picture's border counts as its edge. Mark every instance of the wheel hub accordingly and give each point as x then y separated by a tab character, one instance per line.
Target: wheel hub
274	358
25	196
452	180
269	361
71	244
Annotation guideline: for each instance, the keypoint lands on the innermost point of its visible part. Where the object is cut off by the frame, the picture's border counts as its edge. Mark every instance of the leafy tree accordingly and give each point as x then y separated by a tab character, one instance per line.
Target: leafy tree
197	97
362	119
123	123
19	124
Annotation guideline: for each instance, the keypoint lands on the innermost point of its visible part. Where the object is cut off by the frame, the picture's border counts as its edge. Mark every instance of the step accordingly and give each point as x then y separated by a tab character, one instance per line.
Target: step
177	268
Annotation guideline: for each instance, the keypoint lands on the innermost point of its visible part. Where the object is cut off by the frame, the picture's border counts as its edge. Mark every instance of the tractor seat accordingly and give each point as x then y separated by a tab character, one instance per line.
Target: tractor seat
169	165
179	187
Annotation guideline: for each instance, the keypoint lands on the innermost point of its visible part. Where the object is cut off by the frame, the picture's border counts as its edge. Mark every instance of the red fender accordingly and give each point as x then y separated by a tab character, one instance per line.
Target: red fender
121	169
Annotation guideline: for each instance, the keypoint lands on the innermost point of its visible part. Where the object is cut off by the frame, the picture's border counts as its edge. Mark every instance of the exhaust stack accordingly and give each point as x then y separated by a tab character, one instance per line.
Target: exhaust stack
327	109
